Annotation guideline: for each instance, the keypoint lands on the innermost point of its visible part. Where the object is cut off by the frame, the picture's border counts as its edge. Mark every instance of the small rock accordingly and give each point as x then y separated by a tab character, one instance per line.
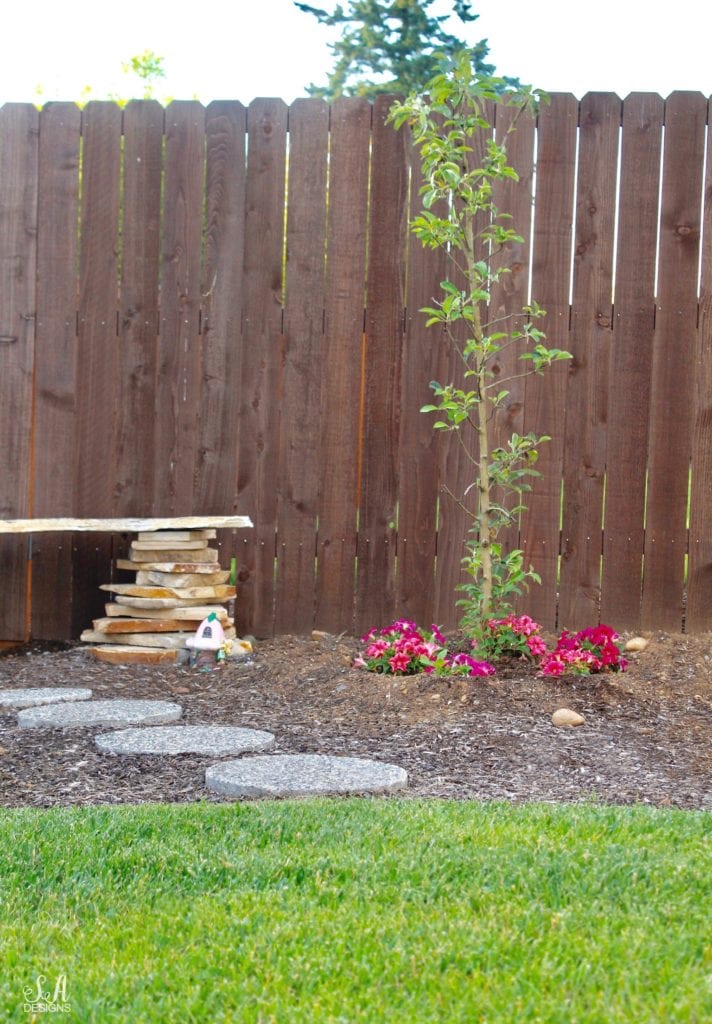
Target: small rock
240	649
319	634
637	643
436	696
565	716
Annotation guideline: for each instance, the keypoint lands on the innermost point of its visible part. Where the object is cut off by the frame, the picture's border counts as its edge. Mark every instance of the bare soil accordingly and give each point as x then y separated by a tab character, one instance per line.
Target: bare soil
647	737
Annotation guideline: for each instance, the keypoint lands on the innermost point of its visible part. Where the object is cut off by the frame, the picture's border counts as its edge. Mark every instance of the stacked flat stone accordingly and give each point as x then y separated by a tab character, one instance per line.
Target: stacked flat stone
179	582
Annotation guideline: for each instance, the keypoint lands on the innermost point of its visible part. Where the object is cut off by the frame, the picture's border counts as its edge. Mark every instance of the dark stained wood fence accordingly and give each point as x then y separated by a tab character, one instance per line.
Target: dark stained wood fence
216	310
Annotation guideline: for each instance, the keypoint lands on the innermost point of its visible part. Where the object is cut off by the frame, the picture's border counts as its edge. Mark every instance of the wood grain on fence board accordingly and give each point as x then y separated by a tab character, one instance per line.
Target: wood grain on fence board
629	400
299	451
179	343
673	362
375	583
425	355
545	396
698	616
138	309
55	367
260	372
18	218
216	465
510	295
590	346
341	372
97	366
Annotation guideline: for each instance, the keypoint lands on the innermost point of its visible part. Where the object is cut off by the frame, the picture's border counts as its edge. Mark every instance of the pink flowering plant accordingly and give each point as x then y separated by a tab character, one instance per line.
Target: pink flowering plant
516	636
584	653
403	648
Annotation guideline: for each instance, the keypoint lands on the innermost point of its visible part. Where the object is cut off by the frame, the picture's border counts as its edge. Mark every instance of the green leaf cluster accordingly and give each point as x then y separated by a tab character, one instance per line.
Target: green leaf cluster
462	162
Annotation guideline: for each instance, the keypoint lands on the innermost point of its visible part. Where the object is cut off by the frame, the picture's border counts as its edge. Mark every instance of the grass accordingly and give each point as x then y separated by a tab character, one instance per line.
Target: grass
356	910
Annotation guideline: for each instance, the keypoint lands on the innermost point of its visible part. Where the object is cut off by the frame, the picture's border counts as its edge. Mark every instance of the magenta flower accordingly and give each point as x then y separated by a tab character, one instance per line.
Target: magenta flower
376	648
399	662
477	668
536	645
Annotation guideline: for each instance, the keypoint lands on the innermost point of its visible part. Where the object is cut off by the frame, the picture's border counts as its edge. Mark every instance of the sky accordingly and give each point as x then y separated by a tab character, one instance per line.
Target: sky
55	49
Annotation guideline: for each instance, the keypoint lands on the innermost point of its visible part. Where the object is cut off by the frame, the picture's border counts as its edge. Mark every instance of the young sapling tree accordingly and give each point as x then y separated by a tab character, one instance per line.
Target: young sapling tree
461	163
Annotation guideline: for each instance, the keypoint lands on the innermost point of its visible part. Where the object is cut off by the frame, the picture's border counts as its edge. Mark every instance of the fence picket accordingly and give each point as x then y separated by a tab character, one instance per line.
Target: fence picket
511	294
629	401
138	309
216	462
18	211
341	372
97	356
55	367
179	343
673	362
590	346
261	361
375	584
698	616
299	450
425	353
545	397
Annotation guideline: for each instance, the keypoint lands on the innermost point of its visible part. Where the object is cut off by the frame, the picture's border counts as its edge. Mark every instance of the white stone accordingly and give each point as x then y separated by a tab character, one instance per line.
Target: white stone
100	712
303	775
34	696
565	716
215	740
637	643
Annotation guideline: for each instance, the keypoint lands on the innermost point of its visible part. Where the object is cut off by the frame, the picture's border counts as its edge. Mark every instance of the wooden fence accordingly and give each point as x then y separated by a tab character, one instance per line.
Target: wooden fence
215	311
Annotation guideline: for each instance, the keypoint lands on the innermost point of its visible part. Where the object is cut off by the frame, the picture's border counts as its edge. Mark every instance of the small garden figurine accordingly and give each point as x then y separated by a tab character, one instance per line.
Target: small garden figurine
209	637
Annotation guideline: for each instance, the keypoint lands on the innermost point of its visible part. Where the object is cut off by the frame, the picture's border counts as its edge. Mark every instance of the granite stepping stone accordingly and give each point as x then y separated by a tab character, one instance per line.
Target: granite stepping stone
35	695
303	775
215	740
100	712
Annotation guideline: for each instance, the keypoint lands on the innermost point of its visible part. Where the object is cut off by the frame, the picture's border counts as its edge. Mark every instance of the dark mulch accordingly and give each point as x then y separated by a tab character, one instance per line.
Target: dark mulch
647	738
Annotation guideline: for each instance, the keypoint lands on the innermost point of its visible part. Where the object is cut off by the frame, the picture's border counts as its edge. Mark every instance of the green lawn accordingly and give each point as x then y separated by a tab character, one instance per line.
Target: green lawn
359	910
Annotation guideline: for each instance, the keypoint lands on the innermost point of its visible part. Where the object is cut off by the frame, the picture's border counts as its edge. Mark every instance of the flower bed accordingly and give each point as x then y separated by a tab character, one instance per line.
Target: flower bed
404	648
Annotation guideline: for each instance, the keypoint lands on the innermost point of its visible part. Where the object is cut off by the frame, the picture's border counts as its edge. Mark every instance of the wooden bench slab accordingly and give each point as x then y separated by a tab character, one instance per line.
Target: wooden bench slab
124	525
